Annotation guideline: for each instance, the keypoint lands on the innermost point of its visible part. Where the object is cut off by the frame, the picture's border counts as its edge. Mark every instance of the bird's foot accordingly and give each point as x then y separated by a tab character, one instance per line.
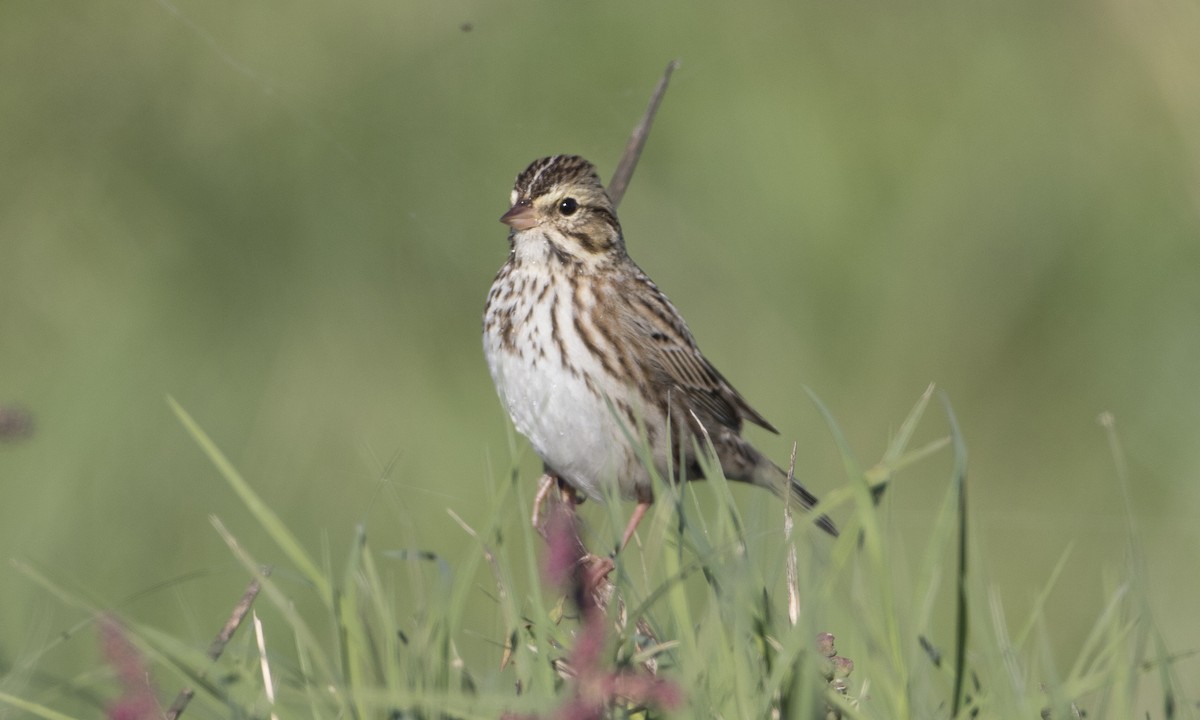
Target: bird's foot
595	570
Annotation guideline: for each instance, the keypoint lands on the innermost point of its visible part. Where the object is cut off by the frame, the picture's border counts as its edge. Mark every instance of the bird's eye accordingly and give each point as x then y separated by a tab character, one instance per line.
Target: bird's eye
568	206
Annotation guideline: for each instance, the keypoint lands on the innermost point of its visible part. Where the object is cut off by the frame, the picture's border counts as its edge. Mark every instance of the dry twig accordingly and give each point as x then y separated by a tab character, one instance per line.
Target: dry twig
637	139
219	642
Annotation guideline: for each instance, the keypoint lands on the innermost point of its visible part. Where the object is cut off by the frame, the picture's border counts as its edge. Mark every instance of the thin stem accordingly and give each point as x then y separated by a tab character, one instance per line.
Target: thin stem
218	644
637	139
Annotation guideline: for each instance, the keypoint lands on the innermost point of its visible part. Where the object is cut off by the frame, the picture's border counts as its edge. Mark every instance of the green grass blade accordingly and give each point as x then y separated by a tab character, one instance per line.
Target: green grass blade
279	532
962	606
33	708
327	675
904	434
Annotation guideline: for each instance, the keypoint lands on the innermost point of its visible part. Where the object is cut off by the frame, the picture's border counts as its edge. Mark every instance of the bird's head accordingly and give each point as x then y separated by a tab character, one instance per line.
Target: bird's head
560	204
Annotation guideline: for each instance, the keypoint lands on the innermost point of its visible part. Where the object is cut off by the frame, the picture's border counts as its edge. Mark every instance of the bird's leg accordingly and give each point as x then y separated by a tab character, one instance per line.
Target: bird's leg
600	567
634	519
547	482
567	496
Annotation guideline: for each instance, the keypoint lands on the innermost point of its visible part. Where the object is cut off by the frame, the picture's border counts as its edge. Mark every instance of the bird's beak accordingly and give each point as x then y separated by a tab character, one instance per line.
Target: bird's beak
519	217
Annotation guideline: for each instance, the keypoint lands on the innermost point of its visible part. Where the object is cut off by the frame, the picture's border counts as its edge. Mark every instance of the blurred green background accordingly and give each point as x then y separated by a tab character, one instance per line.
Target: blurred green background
284	215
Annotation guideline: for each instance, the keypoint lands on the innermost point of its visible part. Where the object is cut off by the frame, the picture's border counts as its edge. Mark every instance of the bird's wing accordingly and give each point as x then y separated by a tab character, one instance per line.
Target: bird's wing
704	388
671	357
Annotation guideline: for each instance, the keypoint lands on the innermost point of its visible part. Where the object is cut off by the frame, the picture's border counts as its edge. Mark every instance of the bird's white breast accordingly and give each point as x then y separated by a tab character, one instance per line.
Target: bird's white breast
569	423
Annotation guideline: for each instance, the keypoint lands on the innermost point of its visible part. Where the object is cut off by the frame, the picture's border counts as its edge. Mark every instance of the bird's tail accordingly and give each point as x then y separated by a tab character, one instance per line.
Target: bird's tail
807	500
769	475
740	461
